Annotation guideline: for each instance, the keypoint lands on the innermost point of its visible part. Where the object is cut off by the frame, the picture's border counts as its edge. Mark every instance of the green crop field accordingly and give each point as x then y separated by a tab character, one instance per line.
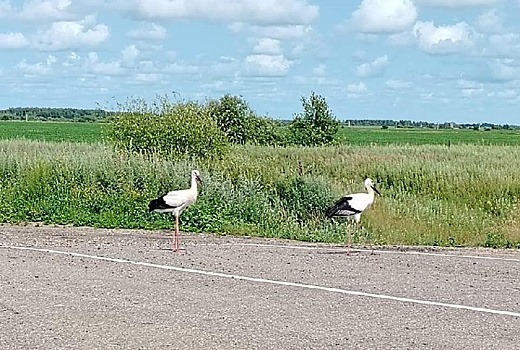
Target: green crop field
93	132
51	131
419	136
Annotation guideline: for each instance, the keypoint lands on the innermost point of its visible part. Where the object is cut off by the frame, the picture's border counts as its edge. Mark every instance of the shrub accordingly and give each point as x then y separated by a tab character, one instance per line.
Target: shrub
240	123
304	197
265	132
316	125
231	114
173	130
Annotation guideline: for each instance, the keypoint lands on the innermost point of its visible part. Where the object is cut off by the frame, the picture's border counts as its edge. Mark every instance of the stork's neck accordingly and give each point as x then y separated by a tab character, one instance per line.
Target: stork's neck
370	191
193	183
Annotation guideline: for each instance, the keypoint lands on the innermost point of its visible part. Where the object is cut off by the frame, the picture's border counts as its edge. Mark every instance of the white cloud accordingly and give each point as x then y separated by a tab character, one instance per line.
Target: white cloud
5	8
148	31
250	11
276	32
507	69
73	56
267	46
360	88
489	22
427	96
64	35
46	9
148	77
398	84
443	39
130	54
404	39
375	67
13	41
470	92
37	10
94	65
39	68
181	68
147	66
319	71
469	84
380	16
507	44
268	65
72	60
507	94
457	3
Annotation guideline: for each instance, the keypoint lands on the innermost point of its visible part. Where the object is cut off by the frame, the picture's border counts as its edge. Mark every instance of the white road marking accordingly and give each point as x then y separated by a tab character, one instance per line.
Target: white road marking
274	282
376	251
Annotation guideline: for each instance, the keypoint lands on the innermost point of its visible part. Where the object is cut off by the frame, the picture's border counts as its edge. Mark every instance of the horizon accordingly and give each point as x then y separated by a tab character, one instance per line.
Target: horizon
431	61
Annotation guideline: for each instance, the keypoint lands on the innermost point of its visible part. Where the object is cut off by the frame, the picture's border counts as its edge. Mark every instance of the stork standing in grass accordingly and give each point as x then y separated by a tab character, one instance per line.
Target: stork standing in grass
175	202
352	205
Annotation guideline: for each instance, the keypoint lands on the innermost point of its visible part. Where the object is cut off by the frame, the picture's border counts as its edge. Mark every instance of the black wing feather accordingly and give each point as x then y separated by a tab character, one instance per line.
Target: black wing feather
158	203
342	204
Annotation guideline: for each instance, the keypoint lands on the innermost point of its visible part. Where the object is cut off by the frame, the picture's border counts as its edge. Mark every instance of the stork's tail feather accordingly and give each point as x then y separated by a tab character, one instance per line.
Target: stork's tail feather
152	205
157	203
331	211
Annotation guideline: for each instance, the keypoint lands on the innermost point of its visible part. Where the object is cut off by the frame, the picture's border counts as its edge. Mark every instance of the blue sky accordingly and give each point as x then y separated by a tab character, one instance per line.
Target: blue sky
431	60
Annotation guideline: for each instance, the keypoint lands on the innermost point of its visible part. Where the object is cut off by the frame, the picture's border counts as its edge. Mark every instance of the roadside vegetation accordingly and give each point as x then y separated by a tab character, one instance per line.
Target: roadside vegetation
439	194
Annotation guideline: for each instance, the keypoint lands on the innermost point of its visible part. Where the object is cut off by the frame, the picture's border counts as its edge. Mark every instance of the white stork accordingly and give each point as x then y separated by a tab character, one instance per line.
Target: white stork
175	202
352	205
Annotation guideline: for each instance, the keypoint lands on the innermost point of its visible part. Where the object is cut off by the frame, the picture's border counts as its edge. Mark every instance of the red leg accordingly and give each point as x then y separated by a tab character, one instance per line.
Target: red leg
174	242
176	233
349	233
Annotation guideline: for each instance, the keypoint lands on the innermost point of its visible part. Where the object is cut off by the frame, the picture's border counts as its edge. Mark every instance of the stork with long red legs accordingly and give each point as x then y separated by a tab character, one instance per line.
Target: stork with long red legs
176	202
351	206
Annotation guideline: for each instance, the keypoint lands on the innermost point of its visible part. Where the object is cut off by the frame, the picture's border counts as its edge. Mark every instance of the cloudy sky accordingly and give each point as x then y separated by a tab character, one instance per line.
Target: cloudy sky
432	60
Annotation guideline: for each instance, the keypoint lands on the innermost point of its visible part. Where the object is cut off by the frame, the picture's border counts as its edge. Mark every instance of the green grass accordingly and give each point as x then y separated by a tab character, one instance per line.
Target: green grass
417	136
51	131
463	195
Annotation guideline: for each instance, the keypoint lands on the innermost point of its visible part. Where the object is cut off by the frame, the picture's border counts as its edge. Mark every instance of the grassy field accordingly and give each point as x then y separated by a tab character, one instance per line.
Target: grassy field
417	136
51	131
93	132
463	195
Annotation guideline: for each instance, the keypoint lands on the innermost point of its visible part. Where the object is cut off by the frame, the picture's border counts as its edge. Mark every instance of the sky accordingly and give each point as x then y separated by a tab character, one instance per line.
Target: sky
422	60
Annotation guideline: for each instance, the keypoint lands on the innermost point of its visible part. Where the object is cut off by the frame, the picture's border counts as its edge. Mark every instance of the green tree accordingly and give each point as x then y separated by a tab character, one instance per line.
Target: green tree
316	125
232	114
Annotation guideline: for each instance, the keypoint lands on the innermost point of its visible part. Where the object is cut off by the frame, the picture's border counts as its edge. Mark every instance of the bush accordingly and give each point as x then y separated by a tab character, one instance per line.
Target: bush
265	132
231	114
316	125
241	125
304	197
174	130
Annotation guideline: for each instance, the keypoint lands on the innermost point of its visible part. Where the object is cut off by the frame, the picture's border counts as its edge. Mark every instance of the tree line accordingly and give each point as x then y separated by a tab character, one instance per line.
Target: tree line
55	114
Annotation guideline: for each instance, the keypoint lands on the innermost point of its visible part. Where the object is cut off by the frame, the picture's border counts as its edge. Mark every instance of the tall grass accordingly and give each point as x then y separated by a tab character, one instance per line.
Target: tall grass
432	195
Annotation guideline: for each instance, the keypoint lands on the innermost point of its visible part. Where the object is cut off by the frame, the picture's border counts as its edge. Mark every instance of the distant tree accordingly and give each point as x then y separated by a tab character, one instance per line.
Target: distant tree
316	125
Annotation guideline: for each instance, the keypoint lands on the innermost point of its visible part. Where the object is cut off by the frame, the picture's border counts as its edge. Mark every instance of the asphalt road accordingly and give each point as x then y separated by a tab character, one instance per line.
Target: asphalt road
82	288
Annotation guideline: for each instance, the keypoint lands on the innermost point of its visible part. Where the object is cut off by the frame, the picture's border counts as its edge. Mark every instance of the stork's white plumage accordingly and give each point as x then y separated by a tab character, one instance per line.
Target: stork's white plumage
176	202
352	205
